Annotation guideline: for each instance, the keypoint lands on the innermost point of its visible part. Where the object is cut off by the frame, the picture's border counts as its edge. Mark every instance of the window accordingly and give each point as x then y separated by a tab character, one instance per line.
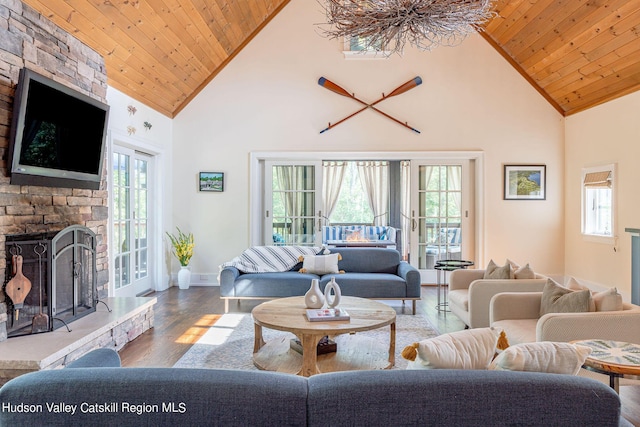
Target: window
352	206
356	47
598	201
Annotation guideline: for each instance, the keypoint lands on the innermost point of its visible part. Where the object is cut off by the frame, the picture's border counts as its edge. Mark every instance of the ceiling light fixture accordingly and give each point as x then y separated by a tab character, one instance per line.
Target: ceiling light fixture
424	24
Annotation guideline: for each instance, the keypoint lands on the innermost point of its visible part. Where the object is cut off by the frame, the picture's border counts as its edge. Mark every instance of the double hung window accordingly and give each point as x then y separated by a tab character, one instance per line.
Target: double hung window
598	201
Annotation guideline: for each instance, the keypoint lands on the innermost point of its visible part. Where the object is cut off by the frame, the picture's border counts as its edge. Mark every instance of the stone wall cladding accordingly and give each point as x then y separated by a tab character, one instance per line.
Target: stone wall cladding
30	40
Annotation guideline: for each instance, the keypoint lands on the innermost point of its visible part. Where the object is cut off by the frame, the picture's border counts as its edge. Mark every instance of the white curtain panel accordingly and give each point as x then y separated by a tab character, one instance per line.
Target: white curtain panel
374	176
333	175
405	209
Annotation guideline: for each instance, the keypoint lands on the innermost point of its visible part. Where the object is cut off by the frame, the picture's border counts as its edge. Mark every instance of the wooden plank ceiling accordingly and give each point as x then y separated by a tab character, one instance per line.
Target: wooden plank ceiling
576	53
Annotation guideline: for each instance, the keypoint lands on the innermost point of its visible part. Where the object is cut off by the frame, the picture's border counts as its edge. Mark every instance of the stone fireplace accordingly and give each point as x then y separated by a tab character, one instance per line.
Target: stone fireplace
61	267
30	40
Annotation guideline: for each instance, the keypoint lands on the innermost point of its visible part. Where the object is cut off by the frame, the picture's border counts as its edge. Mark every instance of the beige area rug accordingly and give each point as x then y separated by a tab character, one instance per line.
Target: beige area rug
229	343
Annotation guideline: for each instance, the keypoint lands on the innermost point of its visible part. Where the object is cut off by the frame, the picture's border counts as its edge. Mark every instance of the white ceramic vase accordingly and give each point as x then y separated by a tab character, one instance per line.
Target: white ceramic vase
184	277
314	298
332	301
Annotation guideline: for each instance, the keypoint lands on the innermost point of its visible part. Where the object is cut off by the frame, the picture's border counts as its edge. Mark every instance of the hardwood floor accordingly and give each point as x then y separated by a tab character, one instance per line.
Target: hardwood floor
182	316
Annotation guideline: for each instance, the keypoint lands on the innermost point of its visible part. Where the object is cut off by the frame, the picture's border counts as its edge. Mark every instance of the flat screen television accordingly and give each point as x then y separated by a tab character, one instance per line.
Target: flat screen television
57	135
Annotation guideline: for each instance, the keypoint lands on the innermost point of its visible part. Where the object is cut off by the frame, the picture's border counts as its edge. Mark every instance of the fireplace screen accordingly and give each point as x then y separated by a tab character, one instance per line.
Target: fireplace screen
57	274
74	288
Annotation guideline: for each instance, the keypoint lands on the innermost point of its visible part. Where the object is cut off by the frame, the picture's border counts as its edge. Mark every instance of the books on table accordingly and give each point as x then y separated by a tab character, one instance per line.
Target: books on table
325	346
327	314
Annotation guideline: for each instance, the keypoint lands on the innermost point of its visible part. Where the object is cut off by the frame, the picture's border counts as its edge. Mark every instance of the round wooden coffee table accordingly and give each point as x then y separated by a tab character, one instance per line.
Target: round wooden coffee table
354	352
613	358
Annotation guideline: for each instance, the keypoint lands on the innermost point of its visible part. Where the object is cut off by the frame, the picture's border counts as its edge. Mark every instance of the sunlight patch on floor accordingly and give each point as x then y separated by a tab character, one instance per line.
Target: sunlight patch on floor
211	329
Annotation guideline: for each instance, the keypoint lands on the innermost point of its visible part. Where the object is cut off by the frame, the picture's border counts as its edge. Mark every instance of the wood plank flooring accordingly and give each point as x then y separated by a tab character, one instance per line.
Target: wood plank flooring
182	316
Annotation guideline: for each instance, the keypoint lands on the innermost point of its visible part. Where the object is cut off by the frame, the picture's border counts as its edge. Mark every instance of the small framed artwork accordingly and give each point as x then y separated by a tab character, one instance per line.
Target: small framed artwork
211	181
525	182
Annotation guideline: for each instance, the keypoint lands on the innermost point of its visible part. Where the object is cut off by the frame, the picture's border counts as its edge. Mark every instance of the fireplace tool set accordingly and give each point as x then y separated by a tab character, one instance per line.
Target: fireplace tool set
40	320
19	287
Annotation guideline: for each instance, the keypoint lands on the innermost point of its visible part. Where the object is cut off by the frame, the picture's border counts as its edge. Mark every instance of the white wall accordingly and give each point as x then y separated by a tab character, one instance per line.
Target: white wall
609	133
156	141
268	99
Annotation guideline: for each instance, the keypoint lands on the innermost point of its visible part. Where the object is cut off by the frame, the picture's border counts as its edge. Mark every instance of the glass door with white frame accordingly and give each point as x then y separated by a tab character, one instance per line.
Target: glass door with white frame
293	201
131	222
440	225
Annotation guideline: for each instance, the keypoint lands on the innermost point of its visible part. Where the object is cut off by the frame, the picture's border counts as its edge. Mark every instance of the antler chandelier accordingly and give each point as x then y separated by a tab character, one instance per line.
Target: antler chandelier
392	23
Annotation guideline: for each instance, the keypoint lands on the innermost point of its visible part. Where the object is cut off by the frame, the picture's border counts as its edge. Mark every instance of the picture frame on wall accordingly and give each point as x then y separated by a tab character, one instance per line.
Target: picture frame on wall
525	182
211	181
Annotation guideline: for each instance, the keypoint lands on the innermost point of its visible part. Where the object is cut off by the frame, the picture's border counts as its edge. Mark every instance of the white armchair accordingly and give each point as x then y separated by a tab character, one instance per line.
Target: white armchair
470	294
518	314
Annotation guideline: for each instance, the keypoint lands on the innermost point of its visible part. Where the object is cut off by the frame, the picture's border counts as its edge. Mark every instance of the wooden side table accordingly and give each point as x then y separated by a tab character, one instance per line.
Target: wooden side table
613	358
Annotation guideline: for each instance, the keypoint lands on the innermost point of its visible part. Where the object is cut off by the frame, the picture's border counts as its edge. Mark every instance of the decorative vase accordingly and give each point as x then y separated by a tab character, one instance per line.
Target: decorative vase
332	285
184	277
314	298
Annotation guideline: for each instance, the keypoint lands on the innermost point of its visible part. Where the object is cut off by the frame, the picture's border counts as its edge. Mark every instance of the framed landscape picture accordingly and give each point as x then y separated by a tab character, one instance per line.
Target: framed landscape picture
525	182
211	181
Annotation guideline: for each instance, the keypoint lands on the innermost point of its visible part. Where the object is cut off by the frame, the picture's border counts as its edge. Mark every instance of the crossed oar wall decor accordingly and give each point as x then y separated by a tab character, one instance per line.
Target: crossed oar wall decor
327	84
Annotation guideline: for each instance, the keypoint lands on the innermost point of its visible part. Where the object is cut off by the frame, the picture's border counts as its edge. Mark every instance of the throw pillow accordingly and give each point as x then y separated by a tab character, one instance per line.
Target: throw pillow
524	272
494	272
574	285
551	357
556	299
609	300
468	349
321	264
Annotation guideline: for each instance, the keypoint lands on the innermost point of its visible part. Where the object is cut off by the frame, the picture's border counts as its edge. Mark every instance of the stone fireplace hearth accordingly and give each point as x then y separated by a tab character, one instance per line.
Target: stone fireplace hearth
128	318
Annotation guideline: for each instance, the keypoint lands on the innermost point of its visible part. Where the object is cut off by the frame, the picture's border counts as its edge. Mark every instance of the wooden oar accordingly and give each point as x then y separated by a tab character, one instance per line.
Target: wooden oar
416	81
341	91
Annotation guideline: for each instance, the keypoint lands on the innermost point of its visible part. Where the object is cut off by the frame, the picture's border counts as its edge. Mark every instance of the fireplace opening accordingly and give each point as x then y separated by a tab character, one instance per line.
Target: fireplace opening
51	279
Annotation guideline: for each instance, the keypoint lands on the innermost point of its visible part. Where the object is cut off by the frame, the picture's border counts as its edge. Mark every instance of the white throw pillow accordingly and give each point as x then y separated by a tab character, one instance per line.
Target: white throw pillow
609	300
524	272
574	285
321	264
521	272
468	349
546	356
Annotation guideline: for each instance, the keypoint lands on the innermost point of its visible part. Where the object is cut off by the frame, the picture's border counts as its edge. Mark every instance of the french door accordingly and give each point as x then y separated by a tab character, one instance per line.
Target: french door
441	220
293	203
131	222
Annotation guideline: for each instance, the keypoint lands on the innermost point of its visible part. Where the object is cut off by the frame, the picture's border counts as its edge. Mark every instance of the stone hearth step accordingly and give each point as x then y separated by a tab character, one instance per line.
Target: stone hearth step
129	318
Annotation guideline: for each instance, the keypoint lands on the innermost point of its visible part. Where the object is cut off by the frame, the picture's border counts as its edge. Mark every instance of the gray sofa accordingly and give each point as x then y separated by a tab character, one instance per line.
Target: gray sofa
103	394
376	273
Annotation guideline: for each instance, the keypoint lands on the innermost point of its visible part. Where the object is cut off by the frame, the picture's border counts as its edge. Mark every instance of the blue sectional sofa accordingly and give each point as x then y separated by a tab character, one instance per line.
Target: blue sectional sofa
376	273
98	393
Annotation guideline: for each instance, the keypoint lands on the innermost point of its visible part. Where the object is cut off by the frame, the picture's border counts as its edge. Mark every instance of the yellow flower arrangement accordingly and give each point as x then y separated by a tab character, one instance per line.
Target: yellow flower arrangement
182	246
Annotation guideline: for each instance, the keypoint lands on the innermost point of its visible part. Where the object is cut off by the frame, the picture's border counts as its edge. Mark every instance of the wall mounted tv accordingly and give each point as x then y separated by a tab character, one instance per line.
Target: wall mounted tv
57	136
